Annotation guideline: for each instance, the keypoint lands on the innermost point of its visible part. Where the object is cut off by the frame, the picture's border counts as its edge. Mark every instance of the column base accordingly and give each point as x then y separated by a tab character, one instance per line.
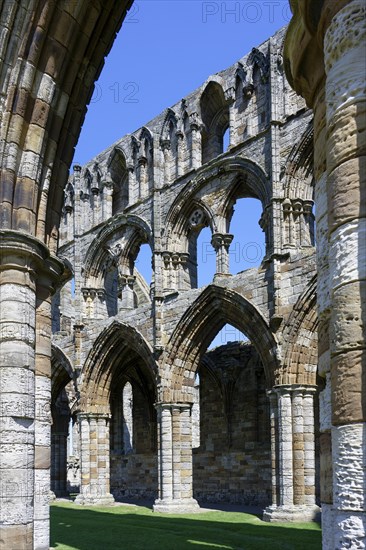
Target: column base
176	506
88	500
292	514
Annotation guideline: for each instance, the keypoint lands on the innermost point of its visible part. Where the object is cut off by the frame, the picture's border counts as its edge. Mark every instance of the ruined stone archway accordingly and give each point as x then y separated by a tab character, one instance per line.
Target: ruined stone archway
215	307
112	345
53	52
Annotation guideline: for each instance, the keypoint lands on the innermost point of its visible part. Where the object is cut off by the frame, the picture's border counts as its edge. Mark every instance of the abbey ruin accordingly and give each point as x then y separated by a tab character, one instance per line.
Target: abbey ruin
108	388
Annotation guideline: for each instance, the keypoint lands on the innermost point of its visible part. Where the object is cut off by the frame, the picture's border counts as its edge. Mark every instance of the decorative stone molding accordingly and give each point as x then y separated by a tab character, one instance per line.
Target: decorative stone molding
221	243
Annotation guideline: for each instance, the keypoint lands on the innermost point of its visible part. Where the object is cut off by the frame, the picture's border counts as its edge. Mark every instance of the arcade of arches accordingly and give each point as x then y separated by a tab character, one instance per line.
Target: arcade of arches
108	388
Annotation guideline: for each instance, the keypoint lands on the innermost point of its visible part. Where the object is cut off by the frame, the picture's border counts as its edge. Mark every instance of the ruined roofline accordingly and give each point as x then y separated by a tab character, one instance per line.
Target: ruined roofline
155	125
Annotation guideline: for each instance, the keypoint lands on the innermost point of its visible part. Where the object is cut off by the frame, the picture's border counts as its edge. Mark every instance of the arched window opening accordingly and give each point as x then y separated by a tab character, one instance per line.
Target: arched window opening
60	411
234	424
133	429
187	148
62	307
227	334
127	418
260	98
206	258
215	118
111	291
143	263
226	140
119	175
248	247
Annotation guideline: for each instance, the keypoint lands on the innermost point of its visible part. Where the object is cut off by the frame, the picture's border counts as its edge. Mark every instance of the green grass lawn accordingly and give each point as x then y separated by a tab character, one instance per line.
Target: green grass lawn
138	528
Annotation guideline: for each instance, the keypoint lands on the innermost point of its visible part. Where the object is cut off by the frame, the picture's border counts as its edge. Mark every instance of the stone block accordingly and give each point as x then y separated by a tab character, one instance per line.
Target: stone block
348	381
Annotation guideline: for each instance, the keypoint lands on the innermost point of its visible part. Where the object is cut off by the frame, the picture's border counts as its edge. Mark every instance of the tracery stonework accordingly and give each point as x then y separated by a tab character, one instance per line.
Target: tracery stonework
303	310
153	187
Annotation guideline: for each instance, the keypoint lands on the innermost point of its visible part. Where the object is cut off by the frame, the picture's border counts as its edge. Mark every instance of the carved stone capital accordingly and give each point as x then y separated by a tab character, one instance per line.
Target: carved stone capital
24	253
221	239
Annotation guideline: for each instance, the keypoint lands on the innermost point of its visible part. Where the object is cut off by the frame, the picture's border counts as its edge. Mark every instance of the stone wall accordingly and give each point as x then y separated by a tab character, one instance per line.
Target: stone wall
161	186
232	463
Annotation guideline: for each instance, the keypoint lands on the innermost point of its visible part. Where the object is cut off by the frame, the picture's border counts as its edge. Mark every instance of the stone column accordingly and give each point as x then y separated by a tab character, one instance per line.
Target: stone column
328	69
168	273
345	90
175	459
180	144
309	446
196	151
94	460
59	463
179	271
133	192
285	449
166	148
293	455
144	184
42	425
107	197
274	444
24	375
230	99
298	419
221	243
126	293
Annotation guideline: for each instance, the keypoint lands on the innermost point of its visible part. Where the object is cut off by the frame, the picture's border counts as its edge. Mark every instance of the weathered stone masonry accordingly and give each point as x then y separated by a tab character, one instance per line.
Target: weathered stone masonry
51	53
161	186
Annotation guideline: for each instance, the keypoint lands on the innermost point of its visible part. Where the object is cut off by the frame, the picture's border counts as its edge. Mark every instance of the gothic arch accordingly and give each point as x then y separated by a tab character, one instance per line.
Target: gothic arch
250	174
49	81
300	340
62	371
136	230
194	215
170	120
118	172
215	118
117	344
215	307
299	168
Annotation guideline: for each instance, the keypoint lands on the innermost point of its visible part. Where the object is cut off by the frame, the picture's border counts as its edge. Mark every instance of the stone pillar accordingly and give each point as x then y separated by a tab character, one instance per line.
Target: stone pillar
274	444
196	151
42	425
133	192
285	449
59	463
298	420
221	243
293	455
230	99
24	376
94	460
168	273
345	91
107	204
143	172
166	148
309	446
328	69
126	293
180	151
180	276
175	459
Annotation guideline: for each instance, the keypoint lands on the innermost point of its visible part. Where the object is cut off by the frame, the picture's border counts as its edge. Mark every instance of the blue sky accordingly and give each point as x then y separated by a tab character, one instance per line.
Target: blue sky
164	50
